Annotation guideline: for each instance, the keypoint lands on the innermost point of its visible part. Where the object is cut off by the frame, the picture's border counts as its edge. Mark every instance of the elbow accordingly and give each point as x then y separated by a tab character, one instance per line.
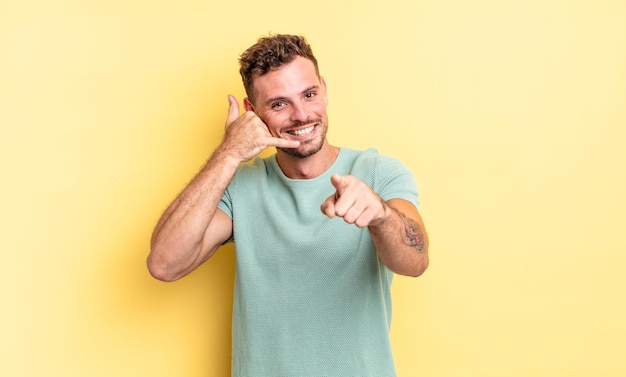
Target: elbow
159	269
420	269
413	268
160	273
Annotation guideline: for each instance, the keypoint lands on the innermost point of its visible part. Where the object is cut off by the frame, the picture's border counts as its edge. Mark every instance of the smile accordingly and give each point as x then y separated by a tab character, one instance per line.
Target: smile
302	132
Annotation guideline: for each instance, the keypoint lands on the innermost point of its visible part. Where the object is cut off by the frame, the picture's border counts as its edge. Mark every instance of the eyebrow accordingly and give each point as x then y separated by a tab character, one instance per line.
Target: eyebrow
278	98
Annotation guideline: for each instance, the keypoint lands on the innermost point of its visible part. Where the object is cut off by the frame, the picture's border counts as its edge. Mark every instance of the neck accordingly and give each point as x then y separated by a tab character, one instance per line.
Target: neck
307	167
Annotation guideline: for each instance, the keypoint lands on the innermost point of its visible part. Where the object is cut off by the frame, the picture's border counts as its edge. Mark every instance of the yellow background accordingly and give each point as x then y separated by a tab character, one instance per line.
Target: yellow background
511	114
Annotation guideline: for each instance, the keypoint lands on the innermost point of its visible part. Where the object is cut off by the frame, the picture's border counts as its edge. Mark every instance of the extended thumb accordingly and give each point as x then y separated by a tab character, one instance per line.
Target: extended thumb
233	109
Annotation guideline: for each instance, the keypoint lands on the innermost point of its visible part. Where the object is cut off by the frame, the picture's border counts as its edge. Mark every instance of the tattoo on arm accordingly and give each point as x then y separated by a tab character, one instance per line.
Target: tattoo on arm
413	233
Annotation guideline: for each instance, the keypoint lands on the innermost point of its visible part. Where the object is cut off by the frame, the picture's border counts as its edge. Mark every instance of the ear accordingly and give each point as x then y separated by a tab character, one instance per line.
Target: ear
247	105
323	82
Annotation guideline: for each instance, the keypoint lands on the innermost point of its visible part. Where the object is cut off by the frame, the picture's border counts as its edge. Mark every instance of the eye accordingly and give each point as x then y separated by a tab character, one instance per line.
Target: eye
278	104
310	95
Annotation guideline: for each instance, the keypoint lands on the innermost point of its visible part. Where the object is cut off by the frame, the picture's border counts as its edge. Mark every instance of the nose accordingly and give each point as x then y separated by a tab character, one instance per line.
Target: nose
298	112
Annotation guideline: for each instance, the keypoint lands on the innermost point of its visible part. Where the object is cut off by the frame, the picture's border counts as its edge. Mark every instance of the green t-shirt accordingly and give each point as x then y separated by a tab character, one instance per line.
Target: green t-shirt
311	297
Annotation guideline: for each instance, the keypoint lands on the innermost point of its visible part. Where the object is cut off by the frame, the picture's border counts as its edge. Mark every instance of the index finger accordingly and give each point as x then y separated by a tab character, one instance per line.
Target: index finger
340	182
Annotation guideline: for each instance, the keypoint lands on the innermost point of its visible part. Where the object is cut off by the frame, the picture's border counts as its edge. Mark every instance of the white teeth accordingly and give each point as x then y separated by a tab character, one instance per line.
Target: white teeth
303	131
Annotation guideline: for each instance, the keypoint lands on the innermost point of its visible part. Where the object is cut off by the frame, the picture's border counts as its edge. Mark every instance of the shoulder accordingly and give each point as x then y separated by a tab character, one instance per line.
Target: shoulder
255	169
250	176
371	160
386	175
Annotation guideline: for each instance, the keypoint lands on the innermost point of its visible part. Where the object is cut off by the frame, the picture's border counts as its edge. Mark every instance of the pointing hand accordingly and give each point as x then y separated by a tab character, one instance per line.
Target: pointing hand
355	202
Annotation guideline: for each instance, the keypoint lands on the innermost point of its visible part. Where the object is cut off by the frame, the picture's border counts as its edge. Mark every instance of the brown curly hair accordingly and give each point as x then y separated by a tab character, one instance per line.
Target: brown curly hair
270	53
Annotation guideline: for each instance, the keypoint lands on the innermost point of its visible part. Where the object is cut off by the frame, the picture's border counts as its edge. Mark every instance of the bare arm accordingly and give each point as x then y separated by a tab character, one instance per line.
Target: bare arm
193	228
396	226
400	238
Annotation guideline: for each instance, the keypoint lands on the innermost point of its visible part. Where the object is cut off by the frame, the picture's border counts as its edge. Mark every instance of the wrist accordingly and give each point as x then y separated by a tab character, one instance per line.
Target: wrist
385	213
225	156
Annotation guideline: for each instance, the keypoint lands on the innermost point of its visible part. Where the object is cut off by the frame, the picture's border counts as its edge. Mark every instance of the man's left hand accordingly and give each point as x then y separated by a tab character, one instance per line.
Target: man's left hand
355	202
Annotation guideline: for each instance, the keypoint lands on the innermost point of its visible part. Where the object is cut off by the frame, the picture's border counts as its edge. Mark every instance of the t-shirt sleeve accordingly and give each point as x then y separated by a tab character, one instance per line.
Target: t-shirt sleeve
387	176
395	181
226	204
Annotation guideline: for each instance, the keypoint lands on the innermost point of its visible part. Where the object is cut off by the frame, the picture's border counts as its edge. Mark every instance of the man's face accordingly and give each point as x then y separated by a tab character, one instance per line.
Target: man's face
292	102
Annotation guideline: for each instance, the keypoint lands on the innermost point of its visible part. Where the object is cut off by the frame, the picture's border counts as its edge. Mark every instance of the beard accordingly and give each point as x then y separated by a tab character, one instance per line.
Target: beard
309	147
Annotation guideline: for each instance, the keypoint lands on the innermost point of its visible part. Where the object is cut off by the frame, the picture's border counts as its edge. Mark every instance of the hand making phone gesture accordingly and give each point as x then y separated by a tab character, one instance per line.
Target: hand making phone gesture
247	135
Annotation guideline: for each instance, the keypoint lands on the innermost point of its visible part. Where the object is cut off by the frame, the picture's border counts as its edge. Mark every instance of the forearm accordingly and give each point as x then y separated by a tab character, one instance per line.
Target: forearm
401	240
180	237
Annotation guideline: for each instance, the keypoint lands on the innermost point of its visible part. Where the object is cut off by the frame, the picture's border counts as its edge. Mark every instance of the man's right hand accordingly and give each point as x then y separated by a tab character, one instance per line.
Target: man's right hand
247	135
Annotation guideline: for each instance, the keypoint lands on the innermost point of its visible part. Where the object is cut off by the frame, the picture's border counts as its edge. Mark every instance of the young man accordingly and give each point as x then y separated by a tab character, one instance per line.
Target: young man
318	230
